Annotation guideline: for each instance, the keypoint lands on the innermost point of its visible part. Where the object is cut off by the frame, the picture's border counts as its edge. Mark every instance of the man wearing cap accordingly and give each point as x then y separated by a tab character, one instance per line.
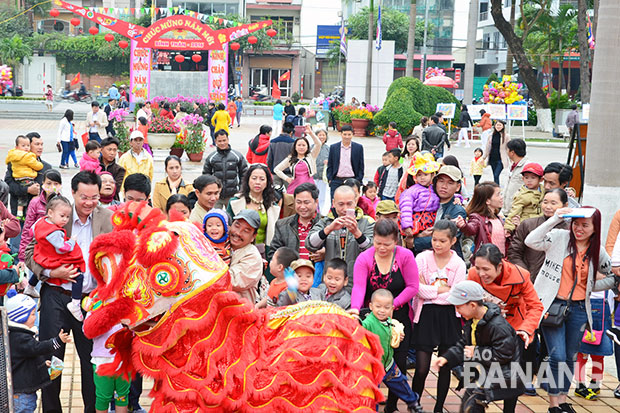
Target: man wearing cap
447	183
387	209
137	160
345	232
246	264
96	122
293	231
516	150
488	342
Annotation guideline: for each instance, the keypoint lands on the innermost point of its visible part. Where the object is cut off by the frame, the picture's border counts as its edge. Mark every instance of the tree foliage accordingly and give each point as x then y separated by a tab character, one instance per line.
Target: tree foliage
19	25
394	26
13	50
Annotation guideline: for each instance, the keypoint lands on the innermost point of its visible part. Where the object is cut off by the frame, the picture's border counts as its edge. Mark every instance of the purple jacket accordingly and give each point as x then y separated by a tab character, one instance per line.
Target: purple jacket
364	265
417	198
36	210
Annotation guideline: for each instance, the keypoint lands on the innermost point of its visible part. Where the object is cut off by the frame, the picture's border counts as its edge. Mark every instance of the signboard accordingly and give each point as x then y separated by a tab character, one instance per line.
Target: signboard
139	73
517	112
585	113
474	111
497	111
218	76
447	109
326	38
457	75
203	38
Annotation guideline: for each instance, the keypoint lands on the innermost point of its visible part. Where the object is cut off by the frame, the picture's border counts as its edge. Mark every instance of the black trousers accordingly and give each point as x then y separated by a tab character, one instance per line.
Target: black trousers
55	316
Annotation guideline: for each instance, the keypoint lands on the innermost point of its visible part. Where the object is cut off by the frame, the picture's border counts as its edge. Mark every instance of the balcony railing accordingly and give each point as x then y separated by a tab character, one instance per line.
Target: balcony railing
484	16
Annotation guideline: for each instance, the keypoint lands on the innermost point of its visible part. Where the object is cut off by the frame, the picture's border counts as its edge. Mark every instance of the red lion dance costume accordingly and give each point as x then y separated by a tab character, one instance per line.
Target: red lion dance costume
209	350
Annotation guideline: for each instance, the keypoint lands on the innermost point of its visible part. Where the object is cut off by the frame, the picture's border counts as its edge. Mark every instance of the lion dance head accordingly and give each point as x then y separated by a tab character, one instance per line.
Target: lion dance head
207	349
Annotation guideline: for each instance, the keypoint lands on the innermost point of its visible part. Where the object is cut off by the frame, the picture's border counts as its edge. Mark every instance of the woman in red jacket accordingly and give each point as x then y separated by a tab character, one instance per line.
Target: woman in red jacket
510	287
258	147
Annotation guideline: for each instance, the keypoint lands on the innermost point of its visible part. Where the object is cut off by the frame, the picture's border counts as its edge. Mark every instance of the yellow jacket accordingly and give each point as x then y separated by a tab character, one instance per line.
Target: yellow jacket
24	164
162	192
477	166
525	204
221	120
132	166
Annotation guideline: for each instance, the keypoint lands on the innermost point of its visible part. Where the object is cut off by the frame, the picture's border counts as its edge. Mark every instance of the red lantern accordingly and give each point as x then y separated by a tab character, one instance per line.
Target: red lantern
179	58
108	37
75	21
93	30
252	39
196	58
123	45
271	33
235	46
54	13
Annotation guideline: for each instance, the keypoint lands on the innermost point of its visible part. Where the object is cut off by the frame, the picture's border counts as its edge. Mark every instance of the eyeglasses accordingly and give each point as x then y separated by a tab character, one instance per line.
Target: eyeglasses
89	198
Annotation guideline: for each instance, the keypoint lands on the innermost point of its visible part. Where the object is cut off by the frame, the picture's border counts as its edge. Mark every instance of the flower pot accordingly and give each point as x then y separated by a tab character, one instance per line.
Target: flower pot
338	126
359	126
195	157
176	151
161	140
120	154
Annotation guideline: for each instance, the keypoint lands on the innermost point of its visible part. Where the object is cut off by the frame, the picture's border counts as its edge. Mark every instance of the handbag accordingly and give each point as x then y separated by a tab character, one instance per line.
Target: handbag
559	310
592	336
75	144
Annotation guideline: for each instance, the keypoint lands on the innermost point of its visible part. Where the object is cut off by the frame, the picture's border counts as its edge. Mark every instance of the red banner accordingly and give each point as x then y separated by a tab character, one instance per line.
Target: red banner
152	36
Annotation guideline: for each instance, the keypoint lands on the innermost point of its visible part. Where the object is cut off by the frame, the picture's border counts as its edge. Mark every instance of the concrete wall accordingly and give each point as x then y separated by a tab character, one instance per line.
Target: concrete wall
382	71
183	83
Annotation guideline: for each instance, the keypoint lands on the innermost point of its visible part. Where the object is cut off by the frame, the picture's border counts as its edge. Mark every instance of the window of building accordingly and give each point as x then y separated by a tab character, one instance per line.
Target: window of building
486	41
282	24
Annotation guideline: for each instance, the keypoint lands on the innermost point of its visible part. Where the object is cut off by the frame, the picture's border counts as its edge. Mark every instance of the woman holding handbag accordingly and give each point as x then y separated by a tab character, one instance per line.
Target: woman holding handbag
67	140
565	285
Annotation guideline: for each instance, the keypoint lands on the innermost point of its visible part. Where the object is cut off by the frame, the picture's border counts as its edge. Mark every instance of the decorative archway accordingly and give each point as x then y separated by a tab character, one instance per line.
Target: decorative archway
143	39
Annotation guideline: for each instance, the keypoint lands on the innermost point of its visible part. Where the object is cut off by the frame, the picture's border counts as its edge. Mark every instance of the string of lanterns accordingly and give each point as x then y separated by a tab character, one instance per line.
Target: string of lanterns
123	44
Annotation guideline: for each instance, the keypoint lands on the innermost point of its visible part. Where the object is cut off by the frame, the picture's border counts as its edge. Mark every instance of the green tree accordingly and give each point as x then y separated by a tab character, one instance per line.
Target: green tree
394	26
19	25
12	51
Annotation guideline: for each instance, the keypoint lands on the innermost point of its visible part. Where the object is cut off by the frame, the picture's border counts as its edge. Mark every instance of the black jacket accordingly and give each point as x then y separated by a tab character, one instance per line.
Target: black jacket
496	342
465	120
383	179
279	148
287	234
357	161
28	357
434	137
228	166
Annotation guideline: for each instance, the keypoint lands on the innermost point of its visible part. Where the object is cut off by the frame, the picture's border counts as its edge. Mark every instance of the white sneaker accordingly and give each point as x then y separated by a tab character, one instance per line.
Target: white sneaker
31	291
75	310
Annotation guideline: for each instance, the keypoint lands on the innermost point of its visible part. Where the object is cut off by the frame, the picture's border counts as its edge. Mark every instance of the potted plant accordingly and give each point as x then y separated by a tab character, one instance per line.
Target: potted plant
360	119
345	115
179	142
121	130
162	133
194	145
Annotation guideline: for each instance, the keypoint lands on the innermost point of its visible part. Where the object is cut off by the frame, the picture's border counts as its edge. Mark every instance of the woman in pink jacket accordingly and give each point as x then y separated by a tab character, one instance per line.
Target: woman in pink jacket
387	265
437	324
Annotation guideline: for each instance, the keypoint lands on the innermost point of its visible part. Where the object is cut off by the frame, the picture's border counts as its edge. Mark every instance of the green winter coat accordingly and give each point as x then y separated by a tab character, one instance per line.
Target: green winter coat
525	205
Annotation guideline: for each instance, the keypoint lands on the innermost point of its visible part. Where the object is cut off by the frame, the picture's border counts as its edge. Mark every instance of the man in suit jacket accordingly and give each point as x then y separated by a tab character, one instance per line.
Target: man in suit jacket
346	160
89	220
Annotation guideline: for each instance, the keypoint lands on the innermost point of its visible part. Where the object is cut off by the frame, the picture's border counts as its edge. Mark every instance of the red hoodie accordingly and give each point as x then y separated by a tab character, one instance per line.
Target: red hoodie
258	154
392	140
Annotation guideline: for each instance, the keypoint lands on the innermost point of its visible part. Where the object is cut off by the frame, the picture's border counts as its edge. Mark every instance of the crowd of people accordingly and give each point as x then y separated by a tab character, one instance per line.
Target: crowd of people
507	275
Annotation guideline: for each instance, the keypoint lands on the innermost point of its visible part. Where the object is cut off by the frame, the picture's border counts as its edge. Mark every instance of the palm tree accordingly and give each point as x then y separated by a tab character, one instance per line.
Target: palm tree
13	50
602	185
411	39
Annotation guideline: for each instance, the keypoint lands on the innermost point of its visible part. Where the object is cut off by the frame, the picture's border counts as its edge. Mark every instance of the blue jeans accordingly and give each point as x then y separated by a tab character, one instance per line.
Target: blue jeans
67	151
497	168
397	383
25	402
94	137
387	198
563	344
